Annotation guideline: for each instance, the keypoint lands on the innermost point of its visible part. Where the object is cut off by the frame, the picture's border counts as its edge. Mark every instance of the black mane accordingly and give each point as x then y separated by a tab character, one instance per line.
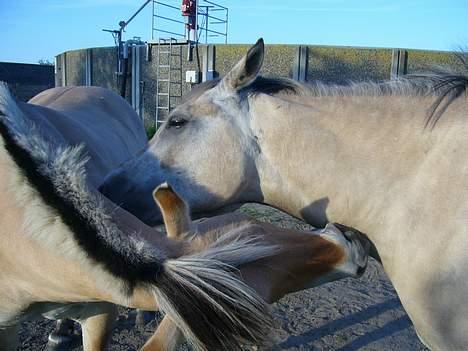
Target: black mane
446	86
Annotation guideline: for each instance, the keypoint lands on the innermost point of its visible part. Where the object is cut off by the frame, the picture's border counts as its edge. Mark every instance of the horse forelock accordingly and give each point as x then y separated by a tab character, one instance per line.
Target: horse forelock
57	177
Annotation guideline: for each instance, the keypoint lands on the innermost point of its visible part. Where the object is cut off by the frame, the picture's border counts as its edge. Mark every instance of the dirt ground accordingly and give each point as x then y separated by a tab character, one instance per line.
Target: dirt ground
351	314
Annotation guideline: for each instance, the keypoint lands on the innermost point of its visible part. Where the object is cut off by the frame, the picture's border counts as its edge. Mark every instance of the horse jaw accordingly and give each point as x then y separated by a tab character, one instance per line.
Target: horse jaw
131	187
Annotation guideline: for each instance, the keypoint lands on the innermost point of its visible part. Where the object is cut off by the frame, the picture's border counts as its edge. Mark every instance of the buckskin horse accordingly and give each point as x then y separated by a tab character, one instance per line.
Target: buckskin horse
66	251
62	242
389	159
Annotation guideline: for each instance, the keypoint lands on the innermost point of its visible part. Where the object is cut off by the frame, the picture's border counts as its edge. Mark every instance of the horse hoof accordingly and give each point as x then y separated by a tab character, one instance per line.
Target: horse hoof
59	342
144	317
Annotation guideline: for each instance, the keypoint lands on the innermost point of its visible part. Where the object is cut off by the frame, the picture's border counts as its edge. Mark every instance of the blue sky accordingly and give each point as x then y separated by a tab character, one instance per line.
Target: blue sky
40	29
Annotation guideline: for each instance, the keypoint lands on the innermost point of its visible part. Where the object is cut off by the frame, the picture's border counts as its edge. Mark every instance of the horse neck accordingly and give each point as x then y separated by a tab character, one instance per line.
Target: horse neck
322	158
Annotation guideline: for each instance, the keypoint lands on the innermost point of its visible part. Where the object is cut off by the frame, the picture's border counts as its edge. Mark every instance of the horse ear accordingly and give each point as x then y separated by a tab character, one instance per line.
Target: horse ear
246	70
174	210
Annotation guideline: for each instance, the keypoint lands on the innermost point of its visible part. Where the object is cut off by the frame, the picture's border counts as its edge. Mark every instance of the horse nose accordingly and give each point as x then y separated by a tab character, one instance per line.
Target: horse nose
132	197
362	245
112	184
119	190
352	234
356	244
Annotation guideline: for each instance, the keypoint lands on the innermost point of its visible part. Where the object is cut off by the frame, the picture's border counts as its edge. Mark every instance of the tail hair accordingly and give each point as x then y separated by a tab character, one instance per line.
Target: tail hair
208	302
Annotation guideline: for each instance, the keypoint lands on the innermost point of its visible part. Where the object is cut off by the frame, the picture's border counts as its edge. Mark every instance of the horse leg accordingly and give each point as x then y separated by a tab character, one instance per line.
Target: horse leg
97	329
166	338
9	338
144	317
62	338
437	306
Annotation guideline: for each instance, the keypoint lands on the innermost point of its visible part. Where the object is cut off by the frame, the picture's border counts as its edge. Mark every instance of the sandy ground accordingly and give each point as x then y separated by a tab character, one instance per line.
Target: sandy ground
351	314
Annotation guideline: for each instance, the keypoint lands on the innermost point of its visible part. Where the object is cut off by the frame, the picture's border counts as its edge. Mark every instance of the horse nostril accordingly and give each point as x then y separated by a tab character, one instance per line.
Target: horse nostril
348	232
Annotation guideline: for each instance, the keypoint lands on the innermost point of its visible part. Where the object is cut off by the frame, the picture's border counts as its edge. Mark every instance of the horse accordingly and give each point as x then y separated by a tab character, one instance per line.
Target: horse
304	259
388	159
63	242
111	133
109	128
67	251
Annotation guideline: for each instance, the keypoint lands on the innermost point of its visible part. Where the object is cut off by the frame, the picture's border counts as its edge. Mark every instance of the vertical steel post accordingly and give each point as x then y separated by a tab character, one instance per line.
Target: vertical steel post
56	69
227	19
403	63
399	63
208	63
64	69
301	62
136	79
88	70
152	22
395	63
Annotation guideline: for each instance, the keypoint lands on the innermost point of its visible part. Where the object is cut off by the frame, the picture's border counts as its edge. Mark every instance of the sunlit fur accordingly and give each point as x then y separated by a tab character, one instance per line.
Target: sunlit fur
386	158
187	287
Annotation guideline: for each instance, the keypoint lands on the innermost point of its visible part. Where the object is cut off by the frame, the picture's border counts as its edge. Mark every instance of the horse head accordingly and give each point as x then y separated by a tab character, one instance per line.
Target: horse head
206	149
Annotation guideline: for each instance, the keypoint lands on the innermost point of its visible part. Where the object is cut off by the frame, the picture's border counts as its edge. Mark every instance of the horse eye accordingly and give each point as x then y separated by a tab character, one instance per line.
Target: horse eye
177	122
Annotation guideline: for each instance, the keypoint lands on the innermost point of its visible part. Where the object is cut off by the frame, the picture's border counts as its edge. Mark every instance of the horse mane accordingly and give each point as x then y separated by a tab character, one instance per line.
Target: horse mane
446	85
58	176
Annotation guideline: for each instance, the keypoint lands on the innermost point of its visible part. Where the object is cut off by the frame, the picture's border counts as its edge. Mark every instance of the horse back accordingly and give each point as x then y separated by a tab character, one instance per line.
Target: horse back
98	118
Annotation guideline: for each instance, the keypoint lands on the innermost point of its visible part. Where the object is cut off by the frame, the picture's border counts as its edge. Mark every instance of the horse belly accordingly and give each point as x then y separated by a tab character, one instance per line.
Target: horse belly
429	265
433	291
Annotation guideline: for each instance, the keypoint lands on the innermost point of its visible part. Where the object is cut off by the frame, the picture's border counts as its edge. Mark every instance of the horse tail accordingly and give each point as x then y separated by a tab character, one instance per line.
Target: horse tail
205	298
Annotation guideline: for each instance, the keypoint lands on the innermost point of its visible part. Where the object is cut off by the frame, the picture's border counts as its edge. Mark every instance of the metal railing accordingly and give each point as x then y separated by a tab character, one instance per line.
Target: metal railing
211	26
212	21
163	19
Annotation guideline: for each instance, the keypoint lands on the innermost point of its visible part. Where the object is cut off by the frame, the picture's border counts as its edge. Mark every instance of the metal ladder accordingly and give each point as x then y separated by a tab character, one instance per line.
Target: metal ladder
168	78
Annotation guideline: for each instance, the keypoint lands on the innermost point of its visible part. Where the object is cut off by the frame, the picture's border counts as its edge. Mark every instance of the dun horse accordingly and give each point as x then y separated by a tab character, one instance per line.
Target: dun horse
62	242
388	159
111	133
65	249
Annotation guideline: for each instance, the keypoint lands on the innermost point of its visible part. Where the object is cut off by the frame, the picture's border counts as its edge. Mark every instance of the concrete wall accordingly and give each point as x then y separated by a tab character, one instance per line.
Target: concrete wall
338	65
345	64
27	80
419	60
149	69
